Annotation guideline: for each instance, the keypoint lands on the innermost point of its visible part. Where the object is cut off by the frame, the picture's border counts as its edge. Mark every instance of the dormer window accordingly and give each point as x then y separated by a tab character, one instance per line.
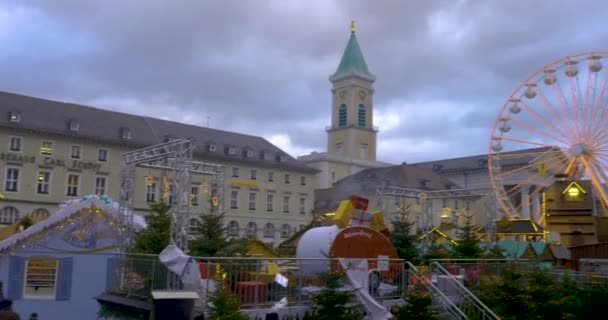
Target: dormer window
14	116
73	125
231	150
249	153
437	167
282	158
169	138
212	147
125	133
267	156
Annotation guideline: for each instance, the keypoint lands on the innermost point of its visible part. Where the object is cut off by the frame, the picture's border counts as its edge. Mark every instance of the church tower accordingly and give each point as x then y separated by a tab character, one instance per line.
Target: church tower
351	137
352	134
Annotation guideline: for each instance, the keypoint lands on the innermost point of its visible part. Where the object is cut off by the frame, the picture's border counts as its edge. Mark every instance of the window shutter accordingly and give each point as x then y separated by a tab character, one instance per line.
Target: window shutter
64	279
16	275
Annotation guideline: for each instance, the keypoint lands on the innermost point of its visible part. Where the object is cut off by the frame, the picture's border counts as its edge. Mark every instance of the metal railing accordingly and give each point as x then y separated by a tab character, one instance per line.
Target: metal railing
443	303
258	282
453	287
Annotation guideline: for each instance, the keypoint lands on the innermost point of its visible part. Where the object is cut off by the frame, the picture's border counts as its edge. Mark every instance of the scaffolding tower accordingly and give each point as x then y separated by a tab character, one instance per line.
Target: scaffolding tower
174	157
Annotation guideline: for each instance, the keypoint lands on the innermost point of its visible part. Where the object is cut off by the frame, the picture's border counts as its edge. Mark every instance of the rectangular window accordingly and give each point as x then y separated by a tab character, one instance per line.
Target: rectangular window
363	151
15	144
286	204
333	176
151	192
254	174
287	179
46	148
270	202
235	172
43	182
75	152
252	196
234	199
302	205
73	182
194	196
302	180
11	182
171	191
271	176
40	278
100	186
102	155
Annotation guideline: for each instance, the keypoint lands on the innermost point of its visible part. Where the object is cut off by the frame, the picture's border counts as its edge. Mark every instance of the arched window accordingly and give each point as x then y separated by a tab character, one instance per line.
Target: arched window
285	230
361	116
233	228
192	226
342	116
9	215
40	213
252	229
269	230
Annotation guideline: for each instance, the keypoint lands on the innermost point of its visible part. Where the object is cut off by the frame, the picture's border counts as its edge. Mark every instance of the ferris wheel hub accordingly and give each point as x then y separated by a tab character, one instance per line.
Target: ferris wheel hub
578	149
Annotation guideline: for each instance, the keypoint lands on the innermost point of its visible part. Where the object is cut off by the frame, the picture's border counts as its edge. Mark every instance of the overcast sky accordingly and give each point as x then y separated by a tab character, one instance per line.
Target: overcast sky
443	68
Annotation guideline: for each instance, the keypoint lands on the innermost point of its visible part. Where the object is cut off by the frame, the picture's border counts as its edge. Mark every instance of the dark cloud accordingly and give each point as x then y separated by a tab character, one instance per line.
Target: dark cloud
262	67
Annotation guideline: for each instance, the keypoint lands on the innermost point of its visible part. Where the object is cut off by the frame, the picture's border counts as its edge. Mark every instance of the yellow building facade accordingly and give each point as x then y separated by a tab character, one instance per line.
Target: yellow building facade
52	151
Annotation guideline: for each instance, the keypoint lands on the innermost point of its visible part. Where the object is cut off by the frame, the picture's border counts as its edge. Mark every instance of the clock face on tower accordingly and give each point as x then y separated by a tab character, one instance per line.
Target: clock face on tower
362	94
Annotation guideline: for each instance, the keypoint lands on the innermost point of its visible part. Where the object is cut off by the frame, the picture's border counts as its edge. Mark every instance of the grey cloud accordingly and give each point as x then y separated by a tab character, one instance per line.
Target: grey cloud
262	67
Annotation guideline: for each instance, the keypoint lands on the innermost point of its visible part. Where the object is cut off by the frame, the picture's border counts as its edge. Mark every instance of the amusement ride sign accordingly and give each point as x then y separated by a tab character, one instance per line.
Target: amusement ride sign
50	161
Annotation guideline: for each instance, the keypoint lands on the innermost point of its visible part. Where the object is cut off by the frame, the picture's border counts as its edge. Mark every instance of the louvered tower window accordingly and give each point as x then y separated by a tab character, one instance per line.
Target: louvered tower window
361	116
342	116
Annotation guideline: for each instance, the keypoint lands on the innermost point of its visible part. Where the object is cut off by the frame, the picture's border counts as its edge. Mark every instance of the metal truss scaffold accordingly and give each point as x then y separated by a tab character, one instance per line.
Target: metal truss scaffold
422	196
176	158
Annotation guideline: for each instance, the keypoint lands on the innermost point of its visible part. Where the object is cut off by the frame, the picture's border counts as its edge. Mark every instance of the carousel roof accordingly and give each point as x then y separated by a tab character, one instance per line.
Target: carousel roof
67	210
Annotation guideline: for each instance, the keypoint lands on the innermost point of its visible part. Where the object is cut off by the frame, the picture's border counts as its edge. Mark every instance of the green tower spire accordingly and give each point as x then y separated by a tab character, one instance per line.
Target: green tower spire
352	60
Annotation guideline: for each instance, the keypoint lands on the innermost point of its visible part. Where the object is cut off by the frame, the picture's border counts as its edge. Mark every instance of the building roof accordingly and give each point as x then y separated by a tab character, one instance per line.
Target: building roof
480	162
67	210
366	182
514	249
352	62
53	117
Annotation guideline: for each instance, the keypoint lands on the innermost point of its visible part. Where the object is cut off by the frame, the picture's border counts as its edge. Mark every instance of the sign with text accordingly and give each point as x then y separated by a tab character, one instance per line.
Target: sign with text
50	161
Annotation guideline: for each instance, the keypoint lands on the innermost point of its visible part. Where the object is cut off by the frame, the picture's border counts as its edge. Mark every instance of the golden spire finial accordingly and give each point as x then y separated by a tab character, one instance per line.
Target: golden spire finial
352	26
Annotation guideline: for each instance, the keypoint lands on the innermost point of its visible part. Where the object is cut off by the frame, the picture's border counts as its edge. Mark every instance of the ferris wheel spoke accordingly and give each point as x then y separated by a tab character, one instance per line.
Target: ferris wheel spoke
517	155
546	181
556	165
595	181
562	106
601	139
544	134
561	120
543	121
575	105
522	168
524	141
596	122
586	98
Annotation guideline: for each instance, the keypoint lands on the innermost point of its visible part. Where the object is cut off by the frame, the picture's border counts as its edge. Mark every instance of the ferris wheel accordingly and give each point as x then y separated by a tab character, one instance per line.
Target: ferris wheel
553	126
